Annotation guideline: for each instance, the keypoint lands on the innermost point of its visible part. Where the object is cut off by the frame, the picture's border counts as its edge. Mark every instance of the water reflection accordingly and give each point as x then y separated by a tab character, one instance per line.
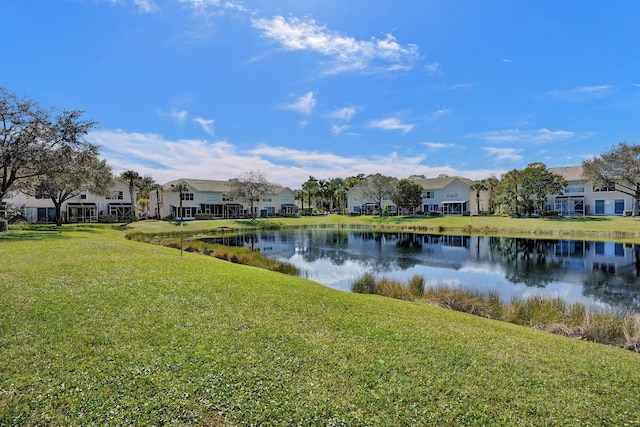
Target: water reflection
602	274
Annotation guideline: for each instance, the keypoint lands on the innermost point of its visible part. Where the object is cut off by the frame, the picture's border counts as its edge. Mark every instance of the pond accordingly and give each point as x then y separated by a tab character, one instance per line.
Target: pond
604	275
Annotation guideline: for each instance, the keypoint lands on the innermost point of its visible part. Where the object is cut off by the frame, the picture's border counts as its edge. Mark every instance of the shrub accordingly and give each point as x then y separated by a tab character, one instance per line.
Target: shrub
416	286
627	213
364	285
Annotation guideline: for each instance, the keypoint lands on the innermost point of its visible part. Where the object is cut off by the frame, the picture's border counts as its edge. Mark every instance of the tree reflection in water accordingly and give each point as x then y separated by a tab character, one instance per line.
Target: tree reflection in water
607	273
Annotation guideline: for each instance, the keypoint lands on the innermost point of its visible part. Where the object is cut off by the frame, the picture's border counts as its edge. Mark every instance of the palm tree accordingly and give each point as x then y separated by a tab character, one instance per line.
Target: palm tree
311	187
132	177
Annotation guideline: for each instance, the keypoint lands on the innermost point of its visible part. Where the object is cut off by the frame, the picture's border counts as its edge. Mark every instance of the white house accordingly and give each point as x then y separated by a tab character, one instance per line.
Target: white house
581	197
85	207
448	195
210	199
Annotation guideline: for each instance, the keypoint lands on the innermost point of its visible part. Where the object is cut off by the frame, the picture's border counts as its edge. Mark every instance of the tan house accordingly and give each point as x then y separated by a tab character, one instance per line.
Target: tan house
85	207
447	195
581	197
210	199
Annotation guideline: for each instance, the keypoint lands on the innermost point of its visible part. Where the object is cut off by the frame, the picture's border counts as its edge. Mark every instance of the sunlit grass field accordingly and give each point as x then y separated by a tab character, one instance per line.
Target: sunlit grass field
99	330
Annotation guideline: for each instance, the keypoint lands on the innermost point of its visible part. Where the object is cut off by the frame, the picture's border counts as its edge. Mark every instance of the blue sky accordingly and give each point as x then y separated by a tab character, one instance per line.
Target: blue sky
211	89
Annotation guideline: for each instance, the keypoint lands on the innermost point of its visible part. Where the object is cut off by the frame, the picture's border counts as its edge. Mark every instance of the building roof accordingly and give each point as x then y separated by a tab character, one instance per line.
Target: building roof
442	182
211	186
570	173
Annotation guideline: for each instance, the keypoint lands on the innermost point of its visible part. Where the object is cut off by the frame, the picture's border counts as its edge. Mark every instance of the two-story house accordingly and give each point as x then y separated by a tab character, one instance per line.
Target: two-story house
211	199
581	197
450	195
85	207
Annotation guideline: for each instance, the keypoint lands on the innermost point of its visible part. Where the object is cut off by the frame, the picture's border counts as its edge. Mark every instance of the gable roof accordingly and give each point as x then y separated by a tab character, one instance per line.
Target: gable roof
570	173
212	186
442	182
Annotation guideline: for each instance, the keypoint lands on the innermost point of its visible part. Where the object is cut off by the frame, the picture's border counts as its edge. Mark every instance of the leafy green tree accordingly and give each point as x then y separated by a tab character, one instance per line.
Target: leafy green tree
407	195
522	192
69	171
337	192
28	134
250	187
311	187
133	178
618	167
490	186
378	187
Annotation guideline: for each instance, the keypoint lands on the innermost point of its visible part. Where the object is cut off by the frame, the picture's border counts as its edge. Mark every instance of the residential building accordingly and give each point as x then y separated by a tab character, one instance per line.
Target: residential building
447	195
451	195
84	207
581	197
210	199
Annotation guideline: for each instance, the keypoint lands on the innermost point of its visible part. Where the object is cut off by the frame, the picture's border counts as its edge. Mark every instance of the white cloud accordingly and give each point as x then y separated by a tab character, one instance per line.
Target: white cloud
146	6
437	145
304	104
337	130
347	53
510	154
440	113
581	93
166	160
345	113
176	115
539	136
207	125
391	123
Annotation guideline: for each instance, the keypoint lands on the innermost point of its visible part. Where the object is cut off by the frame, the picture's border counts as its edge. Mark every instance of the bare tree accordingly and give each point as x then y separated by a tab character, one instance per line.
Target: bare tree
250	188
28	133
378	187
618	168
70	171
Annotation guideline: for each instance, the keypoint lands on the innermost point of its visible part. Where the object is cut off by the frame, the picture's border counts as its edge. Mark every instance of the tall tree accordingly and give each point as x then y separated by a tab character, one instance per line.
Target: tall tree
407	195
311	187
28	133
145	186
522	192
378	187
69	171
251	187
336	192
619	167
133	178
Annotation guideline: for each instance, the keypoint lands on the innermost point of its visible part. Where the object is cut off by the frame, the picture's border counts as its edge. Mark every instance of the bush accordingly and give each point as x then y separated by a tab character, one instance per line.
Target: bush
416	286
364	285
627	213
435	213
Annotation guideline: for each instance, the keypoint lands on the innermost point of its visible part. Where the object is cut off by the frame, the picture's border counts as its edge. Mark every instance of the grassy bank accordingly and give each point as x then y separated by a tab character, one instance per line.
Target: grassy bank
547	314
99	330
597	228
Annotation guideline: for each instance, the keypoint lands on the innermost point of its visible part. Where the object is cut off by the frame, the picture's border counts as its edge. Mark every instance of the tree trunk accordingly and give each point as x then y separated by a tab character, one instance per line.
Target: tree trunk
58	213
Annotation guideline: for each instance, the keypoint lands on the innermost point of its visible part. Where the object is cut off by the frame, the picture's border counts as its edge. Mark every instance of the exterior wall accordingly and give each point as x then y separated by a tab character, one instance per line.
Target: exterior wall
85	207
593	202
357	203
213	201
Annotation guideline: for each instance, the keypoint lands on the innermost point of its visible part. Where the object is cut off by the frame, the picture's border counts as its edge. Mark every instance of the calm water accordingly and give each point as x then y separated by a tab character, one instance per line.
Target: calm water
598	274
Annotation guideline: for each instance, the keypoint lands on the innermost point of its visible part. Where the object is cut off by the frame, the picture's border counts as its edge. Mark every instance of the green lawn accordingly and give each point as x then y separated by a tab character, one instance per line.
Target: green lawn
99	330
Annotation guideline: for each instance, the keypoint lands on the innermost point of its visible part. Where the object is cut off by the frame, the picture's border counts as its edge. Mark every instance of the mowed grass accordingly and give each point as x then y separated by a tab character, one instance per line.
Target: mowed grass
99	330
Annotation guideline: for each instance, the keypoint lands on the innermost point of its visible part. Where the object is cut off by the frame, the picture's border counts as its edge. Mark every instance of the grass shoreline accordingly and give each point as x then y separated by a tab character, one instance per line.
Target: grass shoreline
99	330
618	229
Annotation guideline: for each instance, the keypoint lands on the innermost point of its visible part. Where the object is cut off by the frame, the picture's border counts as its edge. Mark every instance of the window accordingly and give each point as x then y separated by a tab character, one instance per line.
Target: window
186	196
611	186
41	195
619	207
266	199
285	199
213	197
117	195
83	195
452	194
574	187
428	195
609	207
